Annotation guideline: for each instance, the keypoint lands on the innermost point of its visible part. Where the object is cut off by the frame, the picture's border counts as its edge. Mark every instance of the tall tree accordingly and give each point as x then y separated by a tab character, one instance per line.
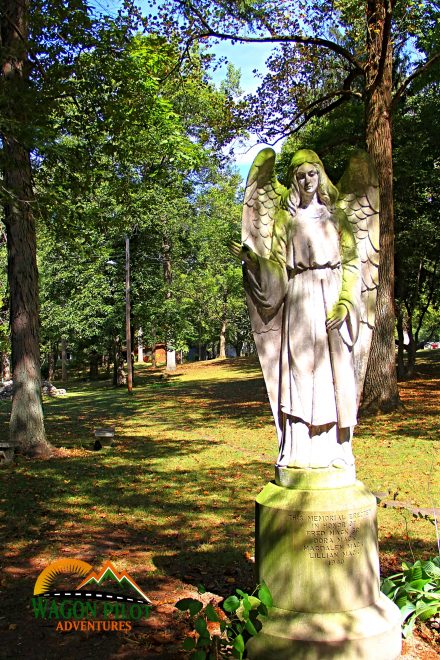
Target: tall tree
329	53
26	424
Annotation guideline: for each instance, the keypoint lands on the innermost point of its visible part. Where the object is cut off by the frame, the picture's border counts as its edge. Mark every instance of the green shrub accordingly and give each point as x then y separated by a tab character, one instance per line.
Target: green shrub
237	621
416	592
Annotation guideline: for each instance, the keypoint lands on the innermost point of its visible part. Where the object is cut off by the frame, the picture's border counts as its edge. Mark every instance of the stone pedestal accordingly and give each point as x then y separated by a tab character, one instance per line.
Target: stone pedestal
316	549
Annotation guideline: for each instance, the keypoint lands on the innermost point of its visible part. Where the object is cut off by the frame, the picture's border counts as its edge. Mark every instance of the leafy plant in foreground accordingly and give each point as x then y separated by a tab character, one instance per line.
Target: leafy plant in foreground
224	632
416	592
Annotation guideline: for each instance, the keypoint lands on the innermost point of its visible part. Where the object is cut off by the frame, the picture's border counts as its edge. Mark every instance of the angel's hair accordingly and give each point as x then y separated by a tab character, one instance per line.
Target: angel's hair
327	192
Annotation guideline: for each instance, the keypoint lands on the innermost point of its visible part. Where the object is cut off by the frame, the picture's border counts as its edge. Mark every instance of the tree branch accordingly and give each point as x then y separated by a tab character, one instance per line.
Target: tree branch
312	109
423	68
298	39
189	9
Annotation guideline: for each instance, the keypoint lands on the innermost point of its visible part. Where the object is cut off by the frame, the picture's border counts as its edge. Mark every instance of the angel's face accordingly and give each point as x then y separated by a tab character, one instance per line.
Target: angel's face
307	177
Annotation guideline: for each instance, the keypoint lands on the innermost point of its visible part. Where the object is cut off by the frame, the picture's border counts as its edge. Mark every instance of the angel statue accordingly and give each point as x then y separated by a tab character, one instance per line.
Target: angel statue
310	262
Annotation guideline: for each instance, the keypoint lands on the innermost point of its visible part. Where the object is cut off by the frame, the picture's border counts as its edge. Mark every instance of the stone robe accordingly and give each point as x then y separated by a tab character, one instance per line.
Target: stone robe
313	266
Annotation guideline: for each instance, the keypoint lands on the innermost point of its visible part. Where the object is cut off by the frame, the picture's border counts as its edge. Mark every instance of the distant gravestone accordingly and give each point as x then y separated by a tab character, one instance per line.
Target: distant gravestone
310	256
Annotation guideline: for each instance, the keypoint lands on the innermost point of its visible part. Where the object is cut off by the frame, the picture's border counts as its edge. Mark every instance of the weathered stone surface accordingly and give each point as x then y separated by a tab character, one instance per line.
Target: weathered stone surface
316	549
370	633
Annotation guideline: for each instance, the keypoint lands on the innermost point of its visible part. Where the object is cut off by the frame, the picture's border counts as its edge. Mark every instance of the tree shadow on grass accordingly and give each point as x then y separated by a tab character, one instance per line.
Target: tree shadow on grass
185	405
194	525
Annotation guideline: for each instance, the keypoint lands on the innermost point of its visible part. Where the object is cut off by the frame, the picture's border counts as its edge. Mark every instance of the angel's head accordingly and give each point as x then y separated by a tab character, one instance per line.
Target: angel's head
308	177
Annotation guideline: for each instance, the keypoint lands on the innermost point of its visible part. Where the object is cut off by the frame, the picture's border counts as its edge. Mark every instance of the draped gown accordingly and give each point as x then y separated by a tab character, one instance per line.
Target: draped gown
313	265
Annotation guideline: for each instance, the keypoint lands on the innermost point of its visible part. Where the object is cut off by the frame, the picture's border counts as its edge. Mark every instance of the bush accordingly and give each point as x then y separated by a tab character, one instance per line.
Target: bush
416	592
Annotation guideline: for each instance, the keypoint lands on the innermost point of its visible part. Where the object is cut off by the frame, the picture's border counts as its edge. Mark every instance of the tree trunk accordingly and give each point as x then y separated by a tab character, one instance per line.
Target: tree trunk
222	349
128	316
26	427
119	376
153	349
222	342
168	277
64	374
380	388
94	366
51	359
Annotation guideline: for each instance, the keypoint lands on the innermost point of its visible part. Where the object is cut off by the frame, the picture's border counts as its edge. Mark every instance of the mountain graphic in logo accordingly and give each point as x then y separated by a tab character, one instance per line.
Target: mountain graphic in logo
109	573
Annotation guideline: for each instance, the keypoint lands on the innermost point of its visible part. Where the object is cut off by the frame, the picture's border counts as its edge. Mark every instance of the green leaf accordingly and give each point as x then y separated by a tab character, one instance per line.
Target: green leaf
408	626
250	627
255	602
210	613
407	610
427	611
201	589
238	644
387	586
256	621
200	625
194	606
432	570
417	586
264	595
262	609
414	572
189	644
246	603
231	604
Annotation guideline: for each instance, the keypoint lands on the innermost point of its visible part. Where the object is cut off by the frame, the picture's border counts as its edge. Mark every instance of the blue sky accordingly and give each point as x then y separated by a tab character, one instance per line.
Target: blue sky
246	57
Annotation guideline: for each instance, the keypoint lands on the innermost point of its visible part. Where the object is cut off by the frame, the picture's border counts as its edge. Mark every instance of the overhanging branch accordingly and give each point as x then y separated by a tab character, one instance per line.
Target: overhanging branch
423	68
315	109
208	31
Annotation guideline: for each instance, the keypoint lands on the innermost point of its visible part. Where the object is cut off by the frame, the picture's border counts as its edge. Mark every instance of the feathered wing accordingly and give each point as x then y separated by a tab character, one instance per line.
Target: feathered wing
262	202
359	199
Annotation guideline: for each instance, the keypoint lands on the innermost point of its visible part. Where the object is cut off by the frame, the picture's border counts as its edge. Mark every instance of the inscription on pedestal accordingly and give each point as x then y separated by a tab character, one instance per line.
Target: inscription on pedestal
333	538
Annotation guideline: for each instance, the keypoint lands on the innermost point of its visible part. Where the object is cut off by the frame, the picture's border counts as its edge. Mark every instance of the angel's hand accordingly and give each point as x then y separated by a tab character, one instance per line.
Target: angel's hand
336	317
244	253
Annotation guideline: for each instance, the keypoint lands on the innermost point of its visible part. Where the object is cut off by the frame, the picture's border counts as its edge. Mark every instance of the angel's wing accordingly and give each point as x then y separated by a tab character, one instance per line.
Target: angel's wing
359	199
262	200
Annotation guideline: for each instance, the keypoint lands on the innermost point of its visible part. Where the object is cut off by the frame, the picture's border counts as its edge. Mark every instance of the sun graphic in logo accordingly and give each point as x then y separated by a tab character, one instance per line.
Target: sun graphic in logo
47	577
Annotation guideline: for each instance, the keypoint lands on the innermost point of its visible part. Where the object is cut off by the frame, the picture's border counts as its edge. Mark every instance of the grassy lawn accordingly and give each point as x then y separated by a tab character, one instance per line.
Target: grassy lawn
173	501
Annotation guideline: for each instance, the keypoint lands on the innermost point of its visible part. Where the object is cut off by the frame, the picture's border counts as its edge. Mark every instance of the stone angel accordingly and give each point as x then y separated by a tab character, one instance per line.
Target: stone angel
310	256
